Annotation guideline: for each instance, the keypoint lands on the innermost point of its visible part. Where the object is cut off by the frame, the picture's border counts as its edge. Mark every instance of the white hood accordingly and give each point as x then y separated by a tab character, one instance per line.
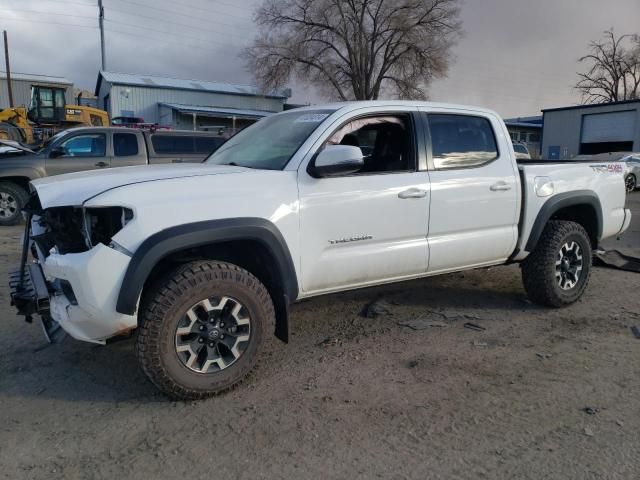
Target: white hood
74	189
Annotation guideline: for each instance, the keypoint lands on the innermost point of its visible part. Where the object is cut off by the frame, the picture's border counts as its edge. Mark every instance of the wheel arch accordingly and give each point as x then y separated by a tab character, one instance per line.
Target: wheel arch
581	206
251	243
19	180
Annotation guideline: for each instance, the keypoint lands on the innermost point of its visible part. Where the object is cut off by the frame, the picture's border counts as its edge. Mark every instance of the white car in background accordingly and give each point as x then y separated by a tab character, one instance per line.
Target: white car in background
522	152
632	171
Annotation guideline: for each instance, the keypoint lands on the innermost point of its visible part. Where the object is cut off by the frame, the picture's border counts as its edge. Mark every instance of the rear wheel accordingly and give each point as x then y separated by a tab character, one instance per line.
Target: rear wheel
203	328
557	272
13	198
630	182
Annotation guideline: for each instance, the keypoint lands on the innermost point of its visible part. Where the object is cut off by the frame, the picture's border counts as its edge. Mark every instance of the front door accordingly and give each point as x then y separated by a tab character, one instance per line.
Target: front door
370	226
84	151
474	193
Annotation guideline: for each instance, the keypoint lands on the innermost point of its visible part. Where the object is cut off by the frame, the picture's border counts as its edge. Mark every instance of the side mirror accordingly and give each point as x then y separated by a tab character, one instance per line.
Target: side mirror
57	152
337	160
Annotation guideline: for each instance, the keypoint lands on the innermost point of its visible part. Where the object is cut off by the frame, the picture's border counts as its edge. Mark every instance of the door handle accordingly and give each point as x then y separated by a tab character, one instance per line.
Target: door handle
500	187
412	193
102	164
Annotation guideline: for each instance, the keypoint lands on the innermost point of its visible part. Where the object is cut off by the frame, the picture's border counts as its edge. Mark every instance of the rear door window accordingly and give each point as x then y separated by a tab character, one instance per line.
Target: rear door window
461	141
125	144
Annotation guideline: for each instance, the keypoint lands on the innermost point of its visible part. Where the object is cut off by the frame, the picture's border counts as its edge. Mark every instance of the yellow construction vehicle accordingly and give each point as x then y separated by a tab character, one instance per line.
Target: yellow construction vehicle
47	114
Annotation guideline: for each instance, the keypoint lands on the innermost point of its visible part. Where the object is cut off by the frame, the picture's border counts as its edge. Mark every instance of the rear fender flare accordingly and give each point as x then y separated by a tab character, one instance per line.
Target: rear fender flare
557	203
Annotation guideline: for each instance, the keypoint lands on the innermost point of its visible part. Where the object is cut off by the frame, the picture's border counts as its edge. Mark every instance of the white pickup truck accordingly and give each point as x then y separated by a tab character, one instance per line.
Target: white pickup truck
204	260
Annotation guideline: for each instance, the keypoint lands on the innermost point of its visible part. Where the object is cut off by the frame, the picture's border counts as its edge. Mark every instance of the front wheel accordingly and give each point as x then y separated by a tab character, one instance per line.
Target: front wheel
13	198
203	328
630	183
557	272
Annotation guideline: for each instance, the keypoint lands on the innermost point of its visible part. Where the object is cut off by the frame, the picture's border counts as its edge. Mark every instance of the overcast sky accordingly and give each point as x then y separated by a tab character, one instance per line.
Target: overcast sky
517	56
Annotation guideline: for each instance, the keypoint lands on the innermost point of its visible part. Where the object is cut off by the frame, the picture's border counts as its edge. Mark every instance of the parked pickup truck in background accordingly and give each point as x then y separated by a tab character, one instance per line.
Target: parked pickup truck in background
204	260
93	148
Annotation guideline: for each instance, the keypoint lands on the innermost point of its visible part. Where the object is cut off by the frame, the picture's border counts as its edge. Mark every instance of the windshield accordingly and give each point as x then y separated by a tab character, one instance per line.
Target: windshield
270	143
54	139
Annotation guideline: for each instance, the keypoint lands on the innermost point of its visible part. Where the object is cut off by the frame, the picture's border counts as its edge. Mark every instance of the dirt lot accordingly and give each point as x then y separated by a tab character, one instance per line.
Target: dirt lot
352	397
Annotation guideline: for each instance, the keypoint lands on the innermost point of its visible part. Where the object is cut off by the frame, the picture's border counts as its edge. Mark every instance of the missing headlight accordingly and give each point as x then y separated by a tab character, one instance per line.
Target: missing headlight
101	224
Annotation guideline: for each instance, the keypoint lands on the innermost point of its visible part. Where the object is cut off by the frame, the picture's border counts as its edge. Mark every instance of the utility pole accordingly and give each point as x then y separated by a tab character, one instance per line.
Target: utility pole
101	21
6	59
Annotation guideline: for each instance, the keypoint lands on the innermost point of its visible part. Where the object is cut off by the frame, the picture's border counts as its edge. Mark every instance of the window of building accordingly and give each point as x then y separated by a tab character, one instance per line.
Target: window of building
125	144
460	141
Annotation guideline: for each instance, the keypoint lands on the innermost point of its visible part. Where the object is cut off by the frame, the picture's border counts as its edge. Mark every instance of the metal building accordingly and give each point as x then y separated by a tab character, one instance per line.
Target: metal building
526	130
21	84
591	129
185	104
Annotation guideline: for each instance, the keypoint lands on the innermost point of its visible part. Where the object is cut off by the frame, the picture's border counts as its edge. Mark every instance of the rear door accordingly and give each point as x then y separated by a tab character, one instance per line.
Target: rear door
82	151
474	191
128	149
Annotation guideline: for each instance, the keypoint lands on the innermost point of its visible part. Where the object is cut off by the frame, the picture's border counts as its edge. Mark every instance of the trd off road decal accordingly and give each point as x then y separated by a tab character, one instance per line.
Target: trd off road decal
608	168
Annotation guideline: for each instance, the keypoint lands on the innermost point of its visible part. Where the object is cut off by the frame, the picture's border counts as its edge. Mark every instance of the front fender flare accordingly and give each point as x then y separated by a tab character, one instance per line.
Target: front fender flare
175	239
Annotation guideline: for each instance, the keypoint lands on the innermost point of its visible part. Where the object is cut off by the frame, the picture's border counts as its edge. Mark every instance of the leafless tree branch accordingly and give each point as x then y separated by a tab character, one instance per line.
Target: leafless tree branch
613	69
355	49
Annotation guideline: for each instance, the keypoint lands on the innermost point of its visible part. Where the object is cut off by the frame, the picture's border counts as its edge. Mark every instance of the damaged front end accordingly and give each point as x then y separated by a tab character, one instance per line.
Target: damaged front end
70	248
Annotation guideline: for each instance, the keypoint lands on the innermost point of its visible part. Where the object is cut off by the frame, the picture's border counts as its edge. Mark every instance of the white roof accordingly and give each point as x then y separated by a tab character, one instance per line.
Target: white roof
356	105
153	81
31	77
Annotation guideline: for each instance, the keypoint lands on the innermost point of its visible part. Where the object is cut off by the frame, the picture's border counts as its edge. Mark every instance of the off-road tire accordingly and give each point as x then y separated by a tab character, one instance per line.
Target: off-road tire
539	268
166	304
20	196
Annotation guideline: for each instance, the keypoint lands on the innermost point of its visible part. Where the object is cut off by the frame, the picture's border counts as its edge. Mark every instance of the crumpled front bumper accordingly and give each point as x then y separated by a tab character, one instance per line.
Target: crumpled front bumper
89	312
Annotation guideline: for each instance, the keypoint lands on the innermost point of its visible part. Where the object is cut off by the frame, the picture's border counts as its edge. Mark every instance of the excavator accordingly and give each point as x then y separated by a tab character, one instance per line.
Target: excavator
48	113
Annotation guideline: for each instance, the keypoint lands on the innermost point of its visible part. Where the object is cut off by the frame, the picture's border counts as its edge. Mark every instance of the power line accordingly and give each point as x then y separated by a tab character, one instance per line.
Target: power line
46	13
48	23
111	9
161	41
172	12
169	33
189	5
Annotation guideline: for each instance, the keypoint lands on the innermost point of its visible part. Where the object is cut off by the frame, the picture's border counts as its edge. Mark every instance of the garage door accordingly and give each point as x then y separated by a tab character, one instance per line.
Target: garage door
609	127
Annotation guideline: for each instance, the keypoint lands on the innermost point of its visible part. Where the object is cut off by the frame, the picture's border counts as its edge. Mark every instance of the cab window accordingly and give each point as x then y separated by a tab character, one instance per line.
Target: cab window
125	144
461	141
386	142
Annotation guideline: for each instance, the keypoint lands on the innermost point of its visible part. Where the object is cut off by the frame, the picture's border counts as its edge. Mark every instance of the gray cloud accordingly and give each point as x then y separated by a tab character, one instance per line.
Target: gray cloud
517	56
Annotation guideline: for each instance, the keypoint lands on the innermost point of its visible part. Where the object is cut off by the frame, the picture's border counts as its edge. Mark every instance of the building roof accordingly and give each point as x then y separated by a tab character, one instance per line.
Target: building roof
32	77
153	81
217	112
591	105
536	126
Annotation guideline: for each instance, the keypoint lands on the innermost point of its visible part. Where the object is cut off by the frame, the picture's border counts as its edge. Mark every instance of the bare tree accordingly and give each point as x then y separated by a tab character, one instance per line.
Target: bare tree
614	69
355	49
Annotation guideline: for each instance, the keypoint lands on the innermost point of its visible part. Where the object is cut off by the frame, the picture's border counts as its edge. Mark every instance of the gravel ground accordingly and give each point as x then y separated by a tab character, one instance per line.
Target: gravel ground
538	394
